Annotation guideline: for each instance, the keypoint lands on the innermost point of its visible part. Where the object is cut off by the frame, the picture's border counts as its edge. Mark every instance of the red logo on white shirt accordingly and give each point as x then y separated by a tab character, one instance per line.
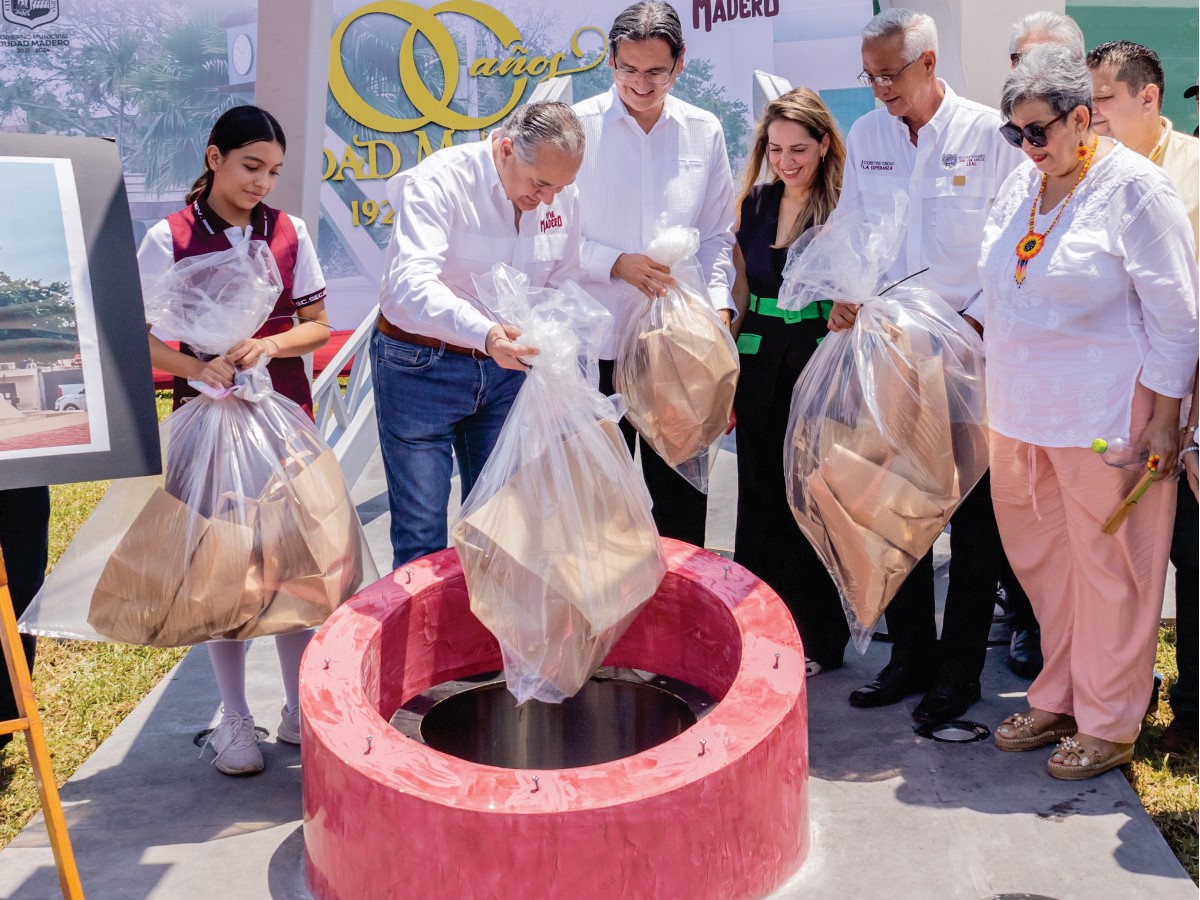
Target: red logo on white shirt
549	221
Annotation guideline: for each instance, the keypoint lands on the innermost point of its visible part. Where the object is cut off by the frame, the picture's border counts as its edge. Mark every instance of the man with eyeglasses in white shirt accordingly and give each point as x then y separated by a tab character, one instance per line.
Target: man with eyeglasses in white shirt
652	160
947	155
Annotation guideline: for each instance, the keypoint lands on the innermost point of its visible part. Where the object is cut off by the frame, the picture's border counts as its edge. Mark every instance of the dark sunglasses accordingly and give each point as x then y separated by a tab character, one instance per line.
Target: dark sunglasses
1035	134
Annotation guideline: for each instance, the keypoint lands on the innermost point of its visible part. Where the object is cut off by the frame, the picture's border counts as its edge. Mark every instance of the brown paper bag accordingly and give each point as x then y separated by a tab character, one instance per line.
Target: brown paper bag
203	582
223	587
132	599
310	547
680	391
885	503
868	568
532	587
876	509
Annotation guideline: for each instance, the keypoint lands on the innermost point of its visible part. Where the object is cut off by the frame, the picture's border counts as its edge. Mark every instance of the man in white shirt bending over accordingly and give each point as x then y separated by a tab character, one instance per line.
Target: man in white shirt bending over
652	160
947	155
445	369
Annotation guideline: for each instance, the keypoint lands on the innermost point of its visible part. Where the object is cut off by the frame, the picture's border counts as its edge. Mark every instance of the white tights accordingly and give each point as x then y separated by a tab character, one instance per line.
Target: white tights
229	666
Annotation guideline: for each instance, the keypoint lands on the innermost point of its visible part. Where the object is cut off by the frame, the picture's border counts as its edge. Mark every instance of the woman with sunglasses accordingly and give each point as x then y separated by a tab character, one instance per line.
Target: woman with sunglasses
1090	288
798	140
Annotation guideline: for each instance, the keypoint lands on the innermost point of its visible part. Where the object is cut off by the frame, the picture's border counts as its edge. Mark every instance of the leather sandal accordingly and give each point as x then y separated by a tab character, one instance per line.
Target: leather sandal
1026	736
1087	763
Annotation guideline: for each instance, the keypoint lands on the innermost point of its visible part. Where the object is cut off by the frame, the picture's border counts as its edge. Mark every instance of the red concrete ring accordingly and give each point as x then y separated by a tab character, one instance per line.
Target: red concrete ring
720	812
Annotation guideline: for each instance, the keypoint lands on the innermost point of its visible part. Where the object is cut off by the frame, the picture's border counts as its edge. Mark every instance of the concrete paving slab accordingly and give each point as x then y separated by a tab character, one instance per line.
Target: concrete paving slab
893	815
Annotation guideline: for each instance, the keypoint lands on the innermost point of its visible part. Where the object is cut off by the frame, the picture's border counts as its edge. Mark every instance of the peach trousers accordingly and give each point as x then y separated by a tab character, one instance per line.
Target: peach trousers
1097	597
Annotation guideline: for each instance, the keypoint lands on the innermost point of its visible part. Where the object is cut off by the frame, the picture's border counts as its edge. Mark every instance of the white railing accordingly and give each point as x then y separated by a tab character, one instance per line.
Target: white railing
347	419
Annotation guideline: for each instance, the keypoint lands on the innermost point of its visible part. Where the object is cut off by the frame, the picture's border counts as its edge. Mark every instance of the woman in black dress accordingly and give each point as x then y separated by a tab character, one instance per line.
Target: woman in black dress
804	154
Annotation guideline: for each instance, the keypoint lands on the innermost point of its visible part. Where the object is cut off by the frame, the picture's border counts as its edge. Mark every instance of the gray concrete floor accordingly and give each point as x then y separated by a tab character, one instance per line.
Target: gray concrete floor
893	815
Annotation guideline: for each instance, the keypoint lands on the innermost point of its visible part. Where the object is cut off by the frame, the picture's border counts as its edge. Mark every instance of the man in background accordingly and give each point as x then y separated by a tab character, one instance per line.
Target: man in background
947	154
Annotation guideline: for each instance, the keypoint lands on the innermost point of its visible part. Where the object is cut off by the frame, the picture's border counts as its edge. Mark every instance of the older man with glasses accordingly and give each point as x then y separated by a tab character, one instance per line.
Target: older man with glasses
947	155
652	160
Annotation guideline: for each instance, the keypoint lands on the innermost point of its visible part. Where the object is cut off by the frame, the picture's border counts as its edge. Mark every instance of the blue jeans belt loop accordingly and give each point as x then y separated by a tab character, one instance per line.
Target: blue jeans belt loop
399	334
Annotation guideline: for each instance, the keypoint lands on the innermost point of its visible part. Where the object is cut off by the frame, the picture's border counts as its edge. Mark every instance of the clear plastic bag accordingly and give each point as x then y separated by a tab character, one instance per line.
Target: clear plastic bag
556	539
888	426
677	365
205	299
250	529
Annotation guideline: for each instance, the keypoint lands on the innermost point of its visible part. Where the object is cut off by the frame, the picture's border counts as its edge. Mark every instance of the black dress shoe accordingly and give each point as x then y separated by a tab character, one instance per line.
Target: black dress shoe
948	699
1025	651
895	682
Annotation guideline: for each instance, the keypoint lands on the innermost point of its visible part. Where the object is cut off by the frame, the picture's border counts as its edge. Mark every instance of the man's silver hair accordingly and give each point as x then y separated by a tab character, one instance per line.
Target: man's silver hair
550	124
1051	27
920	33
1050	73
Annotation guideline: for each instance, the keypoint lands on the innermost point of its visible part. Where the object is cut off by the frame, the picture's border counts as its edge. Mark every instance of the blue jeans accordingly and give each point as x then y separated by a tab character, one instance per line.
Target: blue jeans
429	402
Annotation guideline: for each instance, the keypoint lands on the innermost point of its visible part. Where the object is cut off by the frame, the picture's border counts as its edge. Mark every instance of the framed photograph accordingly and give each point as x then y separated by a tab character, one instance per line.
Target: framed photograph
76	391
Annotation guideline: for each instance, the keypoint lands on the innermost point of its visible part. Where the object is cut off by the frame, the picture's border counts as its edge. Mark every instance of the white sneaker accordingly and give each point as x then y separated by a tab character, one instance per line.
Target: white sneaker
236	746
289	726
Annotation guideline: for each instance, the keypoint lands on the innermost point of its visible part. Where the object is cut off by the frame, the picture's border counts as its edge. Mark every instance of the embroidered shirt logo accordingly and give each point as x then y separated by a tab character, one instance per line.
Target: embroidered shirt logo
876	165
549	221
963	160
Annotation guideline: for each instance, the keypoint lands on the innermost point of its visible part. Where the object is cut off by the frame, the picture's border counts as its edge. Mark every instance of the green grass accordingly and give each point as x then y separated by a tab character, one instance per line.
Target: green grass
84	689
1167	784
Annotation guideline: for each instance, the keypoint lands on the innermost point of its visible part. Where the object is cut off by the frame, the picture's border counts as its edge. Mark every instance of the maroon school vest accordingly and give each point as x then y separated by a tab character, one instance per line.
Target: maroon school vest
195	230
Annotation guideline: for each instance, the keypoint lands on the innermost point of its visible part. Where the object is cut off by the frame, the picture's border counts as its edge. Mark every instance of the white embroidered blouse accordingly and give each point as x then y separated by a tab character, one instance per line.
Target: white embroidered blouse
1109	300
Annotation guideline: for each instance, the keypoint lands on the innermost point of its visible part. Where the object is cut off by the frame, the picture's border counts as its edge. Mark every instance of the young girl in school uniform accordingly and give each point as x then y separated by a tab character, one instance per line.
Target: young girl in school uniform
225	208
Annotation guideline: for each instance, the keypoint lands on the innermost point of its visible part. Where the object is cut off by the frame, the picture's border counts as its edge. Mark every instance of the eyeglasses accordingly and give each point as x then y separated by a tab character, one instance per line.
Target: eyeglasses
882	80
654	78
1035	134
1014	58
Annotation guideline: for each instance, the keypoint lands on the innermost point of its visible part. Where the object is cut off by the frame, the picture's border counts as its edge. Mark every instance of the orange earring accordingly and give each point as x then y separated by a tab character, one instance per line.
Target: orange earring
1081	152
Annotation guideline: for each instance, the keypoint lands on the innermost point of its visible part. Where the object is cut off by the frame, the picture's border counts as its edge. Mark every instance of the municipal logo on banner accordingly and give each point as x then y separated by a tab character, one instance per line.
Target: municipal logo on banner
30	13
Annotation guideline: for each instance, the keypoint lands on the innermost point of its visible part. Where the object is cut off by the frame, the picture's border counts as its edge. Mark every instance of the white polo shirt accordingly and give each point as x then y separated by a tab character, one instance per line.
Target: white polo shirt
453	220
951	178
632	182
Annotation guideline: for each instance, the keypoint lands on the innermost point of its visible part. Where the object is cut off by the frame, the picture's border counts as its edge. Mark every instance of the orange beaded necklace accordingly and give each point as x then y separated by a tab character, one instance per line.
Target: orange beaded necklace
1031	245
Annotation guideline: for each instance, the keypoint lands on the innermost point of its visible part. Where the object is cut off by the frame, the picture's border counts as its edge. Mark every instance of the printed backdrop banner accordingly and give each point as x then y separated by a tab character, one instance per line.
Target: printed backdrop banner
406	78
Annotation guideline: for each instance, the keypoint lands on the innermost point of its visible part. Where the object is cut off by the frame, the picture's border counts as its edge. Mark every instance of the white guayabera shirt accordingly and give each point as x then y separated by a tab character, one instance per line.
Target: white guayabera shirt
453	220
633	183
1110	300
951	178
